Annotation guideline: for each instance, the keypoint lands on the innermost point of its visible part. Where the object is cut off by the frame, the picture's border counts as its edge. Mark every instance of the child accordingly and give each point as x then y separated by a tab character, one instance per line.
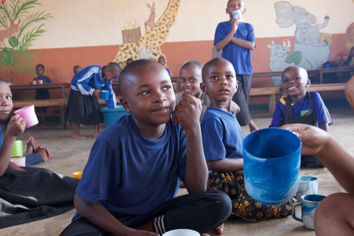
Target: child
236	40
333	215
33	154
162	61
83	107
129	184
27	194
300	107
77	69
41	94
190	79
222	142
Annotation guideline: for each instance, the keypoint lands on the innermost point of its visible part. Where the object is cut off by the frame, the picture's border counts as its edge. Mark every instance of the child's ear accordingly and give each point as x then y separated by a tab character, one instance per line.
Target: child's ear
308	84
125	104
203	87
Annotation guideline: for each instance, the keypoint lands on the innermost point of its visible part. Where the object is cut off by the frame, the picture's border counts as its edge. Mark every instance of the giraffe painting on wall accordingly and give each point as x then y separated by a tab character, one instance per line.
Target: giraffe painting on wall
148	45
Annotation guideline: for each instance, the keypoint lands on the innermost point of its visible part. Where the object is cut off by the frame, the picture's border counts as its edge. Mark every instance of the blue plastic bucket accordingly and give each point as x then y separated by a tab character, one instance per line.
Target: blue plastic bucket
111	115
271	165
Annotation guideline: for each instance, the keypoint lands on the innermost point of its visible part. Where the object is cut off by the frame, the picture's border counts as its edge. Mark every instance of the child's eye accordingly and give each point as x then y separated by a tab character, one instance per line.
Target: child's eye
8	97
192	80
167	87
229	76
214	77
182	80
144	92
297	77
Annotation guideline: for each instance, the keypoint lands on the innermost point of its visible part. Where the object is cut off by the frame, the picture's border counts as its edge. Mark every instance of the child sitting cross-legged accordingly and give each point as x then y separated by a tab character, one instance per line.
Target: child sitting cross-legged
222	141
299	106
130	181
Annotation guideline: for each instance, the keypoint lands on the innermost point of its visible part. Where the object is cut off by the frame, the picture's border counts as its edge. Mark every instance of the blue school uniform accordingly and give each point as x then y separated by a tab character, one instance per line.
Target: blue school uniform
43	93
130	174
303	109
222	135
239	57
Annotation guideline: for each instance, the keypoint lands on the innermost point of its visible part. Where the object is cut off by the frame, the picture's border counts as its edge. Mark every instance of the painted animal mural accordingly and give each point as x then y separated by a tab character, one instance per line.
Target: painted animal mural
313	45
148	45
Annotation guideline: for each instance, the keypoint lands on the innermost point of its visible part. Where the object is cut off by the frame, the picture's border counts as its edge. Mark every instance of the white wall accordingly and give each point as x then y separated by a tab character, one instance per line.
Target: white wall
78	23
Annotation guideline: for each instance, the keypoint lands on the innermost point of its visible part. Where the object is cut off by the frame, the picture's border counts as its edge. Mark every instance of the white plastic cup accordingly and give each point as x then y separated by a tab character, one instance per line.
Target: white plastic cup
181	232
237	14
28	114
19	161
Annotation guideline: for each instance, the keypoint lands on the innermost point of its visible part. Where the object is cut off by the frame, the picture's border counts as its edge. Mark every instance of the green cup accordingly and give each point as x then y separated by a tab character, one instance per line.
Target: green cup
17	149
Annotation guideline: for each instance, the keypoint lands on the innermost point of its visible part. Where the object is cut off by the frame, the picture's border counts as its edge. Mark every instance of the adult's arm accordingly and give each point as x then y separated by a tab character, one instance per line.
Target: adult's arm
318	142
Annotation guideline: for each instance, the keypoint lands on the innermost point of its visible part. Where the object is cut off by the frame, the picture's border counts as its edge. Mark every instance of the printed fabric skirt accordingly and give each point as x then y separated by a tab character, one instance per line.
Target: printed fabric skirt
243	205
83	109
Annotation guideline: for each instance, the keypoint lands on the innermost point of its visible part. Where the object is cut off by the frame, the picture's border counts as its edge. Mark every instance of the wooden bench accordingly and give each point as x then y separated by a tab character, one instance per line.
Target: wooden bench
273	91
55	102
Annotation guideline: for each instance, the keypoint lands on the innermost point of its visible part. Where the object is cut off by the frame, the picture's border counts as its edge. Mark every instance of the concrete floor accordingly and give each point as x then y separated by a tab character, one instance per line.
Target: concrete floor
70	155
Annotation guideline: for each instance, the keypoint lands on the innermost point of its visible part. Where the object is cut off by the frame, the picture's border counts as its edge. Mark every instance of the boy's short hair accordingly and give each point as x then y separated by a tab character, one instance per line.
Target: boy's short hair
210	63
302	71
130	68
114	67
75	67
40	65
192	63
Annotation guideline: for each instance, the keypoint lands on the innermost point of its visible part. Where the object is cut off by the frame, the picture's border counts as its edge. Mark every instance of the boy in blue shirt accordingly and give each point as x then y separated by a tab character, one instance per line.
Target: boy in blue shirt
236	39
41	94
222	142
299	106
83	107
129	184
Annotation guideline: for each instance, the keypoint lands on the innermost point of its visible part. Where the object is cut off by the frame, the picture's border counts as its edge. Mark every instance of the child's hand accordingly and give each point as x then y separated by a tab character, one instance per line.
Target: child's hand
188	112
97	93
313	139
16	126
234	24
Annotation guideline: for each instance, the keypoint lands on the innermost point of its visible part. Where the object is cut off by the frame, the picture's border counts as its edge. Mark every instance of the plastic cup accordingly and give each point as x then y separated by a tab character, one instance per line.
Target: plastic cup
28	114
40	81
19	161
34	82
181	232
104	95
17	149
271	165
77	174
237	14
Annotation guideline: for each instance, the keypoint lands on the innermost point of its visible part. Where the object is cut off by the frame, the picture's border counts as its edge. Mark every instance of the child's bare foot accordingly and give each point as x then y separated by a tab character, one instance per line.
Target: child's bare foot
79	137
220	230
42	150
253	126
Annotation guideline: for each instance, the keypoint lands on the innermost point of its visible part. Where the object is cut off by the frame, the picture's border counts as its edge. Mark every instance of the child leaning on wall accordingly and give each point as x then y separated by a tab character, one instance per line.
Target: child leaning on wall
300	106
86	86
222	142
130	182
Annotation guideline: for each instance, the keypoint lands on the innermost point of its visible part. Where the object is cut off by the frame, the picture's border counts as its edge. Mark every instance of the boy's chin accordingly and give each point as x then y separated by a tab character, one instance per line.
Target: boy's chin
4	117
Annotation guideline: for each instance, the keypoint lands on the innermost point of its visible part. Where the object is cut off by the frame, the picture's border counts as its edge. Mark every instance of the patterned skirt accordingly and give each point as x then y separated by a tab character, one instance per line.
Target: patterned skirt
243	205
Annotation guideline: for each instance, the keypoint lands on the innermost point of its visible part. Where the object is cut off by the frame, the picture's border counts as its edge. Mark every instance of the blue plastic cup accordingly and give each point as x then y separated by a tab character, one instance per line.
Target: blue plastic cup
271	165
104	95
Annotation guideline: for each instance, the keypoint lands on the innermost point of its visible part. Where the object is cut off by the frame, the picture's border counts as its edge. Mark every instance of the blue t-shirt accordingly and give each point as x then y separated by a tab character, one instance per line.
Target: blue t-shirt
239	57
43	93
222	135
130	174
303	108
1	139
89	79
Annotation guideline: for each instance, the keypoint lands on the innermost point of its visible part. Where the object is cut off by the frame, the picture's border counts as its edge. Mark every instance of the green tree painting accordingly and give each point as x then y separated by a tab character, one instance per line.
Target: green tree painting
20	25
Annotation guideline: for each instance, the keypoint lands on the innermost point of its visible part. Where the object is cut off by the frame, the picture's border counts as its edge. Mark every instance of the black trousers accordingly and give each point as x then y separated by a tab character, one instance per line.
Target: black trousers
242	97
201	212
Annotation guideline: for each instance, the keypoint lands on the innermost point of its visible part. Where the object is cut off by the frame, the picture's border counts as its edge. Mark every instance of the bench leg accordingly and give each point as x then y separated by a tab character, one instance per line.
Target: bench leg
271	104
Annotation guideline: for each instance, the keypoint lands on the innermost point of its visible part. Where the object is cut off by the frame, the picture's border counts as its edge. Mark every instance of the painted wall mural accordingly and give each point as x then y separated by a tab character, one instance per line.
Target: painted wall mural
19	27
311	46
137	46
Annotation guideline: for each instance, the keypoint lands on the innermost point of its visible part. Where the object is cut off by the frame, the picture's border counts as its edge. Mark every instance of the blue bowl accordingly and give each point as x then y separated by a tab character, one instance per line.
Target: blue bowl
271	165
111	115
